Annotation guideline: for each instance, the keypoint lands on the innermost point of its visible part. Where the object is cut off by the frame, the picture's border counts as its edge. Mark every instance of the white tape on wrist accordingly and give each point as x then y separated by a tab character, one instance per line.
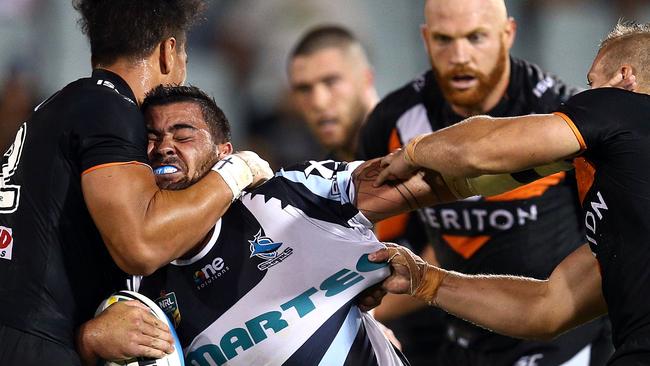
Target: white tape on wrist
235	172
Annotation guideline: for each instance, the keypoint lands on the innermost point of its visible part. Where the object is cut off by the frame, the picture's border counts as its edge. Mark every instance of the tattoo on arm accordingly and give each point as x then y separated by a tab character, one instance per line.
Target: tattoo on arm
377	203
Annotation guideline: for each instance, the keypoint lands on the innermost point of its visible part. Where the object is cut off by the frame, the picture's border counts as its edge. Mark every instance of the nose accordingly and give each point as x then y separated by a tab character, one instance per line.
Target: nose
460	51
320	97
164	147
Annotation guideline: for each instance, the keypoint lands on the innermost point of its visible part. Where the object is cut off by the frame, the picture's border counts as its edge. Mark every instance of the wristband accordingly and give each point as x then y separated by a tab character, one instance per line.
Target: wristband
409	151
235	172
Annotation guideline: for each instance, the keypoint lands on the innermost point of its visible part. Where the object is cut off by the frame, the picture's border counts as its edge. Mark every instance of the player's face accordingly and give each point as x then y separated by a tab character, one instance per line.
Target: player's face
181	148
328	89
468	44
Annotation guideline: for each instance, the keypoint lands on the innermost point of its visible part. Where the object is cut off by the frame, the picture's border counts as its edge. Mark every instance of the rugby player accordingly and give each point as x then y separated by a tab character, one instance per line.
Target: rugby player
606	133
525	232
332	86
274	281
79	205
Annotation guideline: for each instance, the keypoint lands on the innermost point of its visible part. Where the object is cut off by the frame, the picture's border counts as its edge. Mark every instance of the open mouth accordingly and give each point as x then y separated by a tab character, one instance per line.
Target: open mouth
326	122
463	81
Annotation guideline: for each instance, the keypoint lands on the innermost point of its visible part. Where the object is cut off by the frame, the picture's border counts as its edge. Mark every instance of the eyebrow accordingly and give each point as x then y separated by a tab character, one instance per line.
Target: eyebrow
174	127
473	31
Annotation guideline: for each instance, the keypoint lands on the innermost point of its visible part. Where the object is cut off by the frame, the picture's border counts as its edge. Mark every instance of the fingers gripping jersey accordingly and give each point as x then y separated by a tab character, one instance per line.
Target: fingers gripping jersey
276	281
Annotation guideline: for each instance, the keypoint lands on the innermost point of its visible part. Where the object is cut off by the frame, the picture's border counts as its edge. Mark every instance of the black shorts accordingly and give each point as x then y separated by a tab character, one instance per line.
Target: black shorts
635	351
585	347
18	348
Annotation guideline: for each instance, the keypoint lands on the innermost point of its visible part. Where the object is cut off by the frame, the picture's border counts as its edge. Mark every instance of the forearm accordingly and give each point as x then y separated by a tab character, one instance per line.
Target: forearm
508	305
485	145
145	227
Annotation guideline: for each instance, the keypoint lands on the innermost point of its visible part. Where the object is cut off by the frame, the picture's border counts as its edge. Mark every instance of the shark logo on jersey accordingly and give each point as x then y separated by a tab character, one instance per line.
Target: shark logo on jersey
264	247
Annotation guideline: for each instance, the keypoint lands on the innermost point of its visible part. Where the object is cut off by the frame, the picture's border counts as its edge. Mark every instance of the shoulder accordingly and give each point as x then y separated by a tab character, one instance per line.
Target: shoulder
377	130
542	90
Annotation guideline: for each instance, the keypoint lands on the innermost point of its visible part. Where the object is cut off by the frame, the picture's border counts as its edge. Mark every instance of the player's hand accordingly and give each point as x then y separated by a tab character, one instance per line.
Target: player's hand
259	167
620	81
124	330
396	166
371	297
410	274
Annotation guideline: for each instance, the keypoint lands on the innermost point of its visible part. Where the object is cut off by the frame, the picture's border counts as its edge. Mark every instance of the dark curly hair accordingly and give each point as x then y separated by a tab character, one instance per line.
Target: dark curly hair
212	114
133	28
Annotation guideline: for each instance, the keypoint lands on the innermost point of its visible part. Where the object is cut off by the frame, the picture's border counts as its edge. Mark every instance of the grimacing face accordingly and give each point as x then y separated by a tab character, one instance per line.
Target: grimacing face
327	89
181	149
468	48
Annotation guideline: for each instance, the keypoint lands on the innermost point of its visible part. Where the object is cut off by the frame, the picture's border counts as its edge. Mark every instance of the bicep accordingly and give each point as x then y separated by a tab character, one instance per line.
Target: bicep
575	290
117	196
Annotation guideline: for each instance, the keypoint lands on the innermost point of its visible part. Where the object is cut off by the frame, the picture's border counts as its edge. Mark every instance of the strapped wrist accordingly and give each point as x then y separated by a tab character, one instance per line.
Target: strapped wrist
409	150
235	172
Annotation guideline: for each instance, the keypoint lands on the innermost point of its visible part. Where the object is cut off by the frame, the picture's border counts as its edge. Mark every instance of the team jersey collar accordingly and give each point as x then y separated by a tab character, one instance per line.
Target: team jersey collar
114	81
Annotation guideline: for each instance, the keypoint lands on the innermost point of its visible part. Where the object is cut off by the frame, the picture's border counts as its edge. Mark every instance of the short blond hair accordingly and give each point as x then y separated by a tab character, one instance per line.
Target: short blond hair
628	43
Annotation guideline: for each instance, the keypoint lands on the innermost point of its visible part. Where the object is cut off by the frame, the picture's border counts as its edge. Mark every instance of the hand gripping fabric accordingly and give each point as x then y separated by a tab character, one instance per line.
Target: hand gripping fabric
235	172
424	278
259	167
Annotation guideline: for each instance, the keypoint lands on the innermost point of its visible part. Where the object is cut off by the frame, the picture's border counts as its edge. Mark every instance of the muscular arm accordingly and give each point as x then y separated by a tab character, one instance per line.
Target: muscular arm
145	227
486	145
514	306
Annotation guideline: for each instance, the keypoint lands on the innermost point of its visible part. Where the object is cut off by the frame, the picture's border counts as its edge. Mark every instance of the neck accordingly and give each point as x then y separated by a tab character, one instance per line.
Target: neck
138	75
490	101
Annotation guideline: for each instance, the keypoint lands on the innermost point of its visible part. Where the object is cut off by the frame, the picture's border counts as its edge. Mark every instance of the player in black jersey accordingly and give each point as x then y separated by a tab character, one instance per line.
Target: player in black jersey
525	232
607	132
79	205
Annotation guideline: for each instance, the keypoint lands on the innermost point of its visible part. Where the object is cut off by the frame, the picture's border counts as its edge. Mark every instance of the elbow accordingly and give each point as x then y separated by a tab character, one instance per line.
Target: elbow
137	260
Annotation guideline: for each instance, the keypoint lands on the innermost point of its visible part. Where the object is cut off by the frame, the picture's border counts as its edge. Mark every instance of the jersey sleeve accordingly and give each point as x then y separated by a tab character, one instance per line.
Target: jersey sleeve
110	131
591	117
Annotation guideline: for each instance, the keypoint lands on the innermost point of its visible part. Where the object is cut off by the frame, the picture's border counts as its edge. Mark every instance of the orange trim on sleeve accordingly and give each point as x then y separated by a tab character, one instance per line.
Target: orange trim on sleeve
100	166
576	132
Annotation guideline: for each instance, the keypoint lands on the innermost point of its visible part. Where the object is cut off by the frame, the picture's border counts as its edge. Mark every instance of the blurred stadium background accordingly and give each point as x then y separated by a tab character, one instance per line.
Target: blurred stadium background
238	53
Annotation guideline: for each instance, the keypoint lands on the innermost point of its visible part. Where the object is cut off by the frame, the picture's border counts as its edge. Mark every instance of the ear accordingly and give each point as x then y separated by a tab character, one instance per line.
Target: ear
510	32
224	149
425	38
167	56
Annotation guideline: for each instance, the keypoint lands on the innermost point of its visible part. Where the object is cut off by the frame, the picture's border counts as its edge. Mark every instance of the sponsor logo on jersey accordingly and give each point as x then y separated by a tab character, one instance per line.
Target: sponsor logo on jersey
478	220
594	213
264	247
233	342
210	273
169	305
6	242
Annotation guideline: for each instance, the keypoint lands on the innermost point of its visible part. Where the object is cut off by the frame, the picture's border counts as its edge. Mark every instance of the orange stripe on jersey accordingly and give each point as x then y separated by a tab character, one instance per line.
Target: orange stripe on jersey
576	132
394	142
392	227
585	173
112	164
466	246
534	189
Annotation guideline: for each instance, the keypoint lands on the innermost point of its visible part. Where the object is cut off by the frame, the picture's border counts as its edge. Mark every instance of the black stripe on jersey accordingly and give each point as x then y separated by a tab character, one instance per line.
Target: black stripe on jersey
526	176
361	352
312	351
299	196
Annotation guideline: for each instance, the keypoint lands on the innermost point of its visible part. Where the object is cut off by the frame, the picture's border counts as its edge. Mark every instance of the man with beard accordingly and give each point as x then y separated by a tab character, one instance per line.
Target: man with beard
332	86
524	232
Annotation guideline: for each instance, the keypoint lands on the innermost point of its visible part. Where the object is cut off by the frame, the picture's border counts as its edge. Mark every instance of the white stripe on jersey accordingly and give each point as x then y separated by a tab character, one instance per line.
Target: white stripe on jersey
412	123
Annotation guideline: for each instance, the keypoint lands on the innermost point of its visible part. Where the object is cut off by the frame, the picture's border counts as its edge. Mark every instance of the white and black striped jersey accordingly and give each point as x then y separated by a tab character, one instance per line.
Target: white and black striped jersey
276	281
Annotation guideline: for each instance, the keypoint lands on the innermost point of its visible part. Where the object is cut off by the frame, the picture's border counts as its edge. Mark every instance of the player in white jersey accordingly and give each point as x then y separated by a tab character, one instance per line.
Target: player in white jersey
275	281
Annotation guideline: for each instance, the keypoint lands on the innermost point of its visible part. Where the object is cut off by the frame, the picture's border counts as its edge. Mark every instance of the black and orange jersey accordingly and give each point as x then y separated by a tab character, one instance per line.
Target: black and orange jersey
613	128
54	267
524	232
